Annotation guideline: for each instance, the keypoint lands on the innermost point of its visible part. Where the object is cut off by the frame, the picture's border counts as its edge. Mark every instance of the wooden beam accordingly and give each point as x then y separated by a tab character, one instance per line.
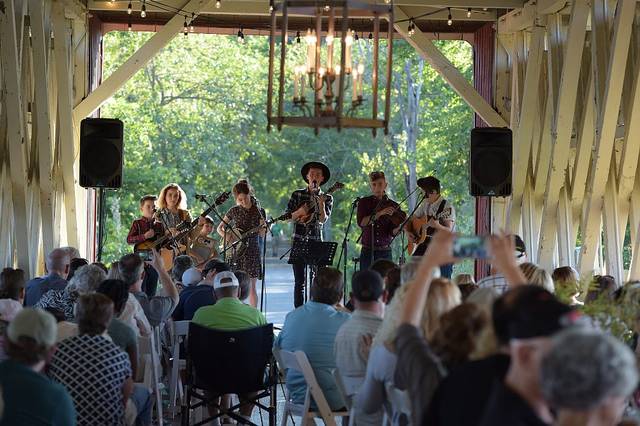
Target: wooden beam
64	129
448	71
523	133
634	226
518	20
562	128
607	118
546	7
613	238
566	245
42	121
138	60
15	133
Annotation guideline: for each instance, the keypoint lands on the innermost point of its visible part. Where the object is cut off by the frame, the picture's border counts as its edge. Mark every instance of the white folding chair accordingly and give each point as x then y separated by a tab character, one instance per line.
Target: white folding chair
149	355
179	331
298	361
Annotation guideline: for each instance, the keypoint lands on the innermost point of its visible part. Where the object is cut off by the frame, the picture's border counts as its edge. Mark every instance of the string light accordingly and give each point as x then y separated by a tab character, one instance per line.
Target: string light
143	10
469	13
411	30
240	36
193	18
129	9
449	18
370	37
218	4
355	36
327	8
129	25
297	36
270	5
186	27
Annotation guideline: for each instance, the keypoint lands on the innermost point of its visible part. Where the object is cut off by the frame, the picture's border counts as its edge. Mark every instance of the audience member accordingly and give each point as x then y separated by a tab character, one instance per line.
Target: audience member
603	286
95	371
11	300
121	333
101	266
587	377
496	279
85	281
193	298
114	271
537	276
74	264
567	283
228	313
312	328
518	400
150	281
462	279
28	396
354	337
157	308
73	253
383	266
180	265
57	266
488	345
191	277
245	285
392	283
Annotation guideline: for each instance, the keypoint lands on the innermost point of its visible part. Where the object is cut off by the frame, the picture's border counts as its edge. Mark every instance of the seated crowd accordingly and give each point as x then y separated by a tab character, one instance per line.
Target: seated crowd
410	348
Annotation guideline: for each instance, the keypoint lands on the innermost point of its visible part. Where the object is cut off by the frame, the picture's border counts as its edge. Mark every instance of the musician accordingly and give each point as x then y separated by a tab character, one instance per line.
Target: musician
245	217
309	220
172	211
146	227
439	213
203	247
380	218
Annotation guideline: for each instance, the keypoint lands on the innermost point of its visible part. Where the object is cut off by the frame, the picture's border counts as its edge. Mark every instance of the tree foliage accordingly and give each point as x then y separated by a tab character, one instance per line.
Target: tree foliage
195	115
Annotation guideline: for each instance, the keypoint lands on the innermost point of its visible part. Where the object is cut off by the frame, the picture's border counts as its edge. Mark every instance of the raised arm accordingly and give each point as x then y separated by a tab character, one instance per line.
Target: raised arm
169	287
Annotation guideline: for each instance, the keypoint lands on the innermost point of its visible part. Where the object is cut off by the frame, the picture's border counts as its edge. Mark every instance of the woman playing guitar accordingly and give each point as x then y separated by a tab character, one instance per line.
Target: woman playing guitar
245	217
172	212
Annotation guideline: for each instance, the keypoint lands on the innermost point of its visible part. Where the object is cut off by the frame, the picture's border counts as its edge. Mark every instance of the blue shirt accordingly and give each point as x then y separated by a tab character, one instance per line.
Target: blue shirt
202	295
31	398
312	328
36	287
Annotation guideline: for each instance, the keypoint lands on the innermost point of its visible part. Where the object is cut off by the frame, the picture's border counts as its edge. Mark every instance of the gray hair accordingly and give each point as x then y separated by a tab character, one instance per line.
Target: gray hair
87	279
585	367
57	260
73	252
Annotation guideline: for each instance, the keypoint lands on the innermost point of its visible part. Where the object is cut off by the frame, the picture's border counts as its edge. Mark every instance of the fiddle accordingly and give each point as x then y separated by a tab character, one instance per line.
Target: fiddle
396	217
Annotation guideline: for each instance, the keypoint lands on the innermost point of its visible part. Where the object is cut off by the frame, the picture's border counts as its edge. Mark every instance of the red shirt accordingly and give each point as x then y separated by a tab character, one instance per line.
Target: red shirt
140	226
383	225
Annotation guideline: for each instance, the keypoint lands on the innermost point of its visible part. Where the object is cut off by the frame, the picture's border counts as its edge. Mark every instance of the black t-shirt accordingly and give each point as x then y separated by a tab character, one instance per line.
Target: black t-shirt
505	407
462	396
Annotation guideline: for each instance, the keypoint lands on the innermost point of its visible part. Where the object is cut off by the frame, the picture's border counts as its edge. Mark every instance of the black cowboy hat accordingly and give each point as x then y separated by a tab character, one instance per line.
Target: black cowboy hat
426	181
326	173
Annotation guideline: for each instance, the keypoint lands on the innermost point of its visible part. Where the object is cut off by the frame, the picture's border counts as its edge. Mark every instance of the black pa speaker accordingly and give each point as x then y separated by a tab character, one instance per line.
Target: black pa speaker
101	153
490	161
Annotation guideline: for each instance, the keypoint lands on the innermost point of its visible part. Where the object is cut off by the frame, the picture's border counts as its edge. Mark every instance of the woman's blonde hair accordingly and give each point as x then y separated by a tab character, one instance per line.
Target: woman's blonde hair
182	197
537	276
443	296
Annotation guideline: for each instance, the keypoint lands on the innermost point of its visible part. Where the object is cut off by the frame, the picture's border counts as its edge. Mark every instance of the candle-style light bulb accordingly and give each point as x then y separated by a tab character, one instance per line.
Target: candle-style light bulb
469	13
143	10
449	18
218	4
129	9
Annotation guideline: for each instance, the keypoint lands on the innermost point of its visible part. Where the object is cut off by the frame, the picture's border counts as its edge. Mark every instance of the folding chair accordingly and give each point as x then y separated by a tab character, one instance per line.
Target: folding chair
298	361
179	332
148	349
346	395
230	362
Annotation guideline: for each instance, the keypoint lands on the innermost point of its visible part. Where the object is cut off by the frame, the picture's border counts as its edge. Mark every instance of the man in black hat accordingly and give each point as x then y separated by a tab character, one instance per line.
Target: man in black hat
310	208
440	215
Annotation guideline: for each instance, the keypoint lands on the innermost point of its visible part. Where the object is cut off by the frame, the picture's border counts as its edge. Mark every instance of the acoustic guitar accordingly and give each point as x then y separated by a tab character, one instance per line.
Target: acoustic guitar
237	249
421	232
311	207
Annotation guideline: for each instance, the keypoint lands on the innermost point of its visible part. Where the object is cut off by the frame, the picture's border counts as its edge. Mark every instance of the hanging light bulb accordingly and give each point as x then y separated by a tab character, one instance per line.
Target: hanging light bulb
270	5
449	18
370	37
240	36
297	36
218	4
129	9
356	37
143	10
129	25
412	28
327	8
193	18
185	29
469	13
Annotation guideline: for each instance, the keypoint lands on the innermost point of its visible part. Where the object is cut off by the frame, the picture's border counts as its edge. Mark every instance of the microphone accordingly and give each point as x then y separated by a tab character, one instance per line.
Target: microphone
357	200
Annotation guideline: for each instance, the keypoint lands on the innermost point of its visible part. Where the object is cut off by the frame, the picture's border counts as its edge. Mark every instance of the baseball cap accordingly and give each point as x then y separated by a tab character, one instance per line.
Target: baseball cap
225	279
216	264
36	324
535	312
367	285
191	276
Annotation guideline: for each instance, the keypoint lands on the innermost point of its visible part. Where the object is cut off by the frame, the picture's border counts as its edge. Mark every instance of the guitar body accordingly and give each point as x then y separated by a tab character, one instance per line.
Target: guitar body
418	228
167	254
304	219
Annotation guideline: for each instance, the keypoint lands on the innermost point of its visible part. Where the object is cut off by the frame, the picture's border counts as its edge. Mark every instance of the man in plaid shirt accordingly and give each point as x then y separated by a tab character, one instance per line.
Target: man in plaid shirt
309	221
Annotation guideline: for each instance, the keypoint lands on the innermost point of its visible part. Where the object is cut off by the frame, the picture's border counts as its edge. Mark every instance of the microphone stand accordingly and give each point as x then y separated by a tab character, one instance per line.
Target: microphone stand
345	249
263	216
203	198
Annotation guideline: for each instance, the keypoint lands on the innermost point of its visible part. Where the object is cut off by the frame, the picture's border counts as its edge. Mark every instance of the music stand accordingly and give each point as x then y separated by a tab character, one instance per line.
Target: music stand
314	254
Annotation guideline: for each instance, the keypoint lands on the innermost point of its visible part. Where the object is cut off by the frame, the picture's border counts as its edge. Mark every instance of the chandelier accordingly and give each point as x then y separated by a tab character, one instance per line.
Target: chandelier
320	84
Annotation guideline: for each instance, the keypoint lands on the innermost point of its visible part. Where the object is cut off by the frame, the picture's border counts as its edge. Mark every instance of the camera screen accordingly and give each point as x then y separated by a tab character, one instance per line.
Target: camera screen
472	246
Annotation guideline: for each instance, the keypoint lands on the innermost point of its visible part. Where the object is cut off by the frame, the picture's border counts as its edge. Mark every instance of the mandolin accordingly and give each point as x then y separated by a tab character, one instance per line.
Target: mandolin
311	208
237	246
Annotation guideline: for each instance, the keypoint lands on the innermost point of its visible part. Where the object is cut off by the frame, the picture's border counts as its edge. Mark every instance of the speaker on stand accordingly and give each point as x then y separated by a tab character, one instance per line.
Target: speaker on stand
101	161
490	162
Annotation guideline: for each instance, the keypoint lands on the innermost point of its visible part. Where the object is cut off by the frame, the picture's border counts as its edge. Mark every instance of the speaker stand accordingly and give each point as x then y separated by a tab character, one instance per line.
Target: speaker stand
101	220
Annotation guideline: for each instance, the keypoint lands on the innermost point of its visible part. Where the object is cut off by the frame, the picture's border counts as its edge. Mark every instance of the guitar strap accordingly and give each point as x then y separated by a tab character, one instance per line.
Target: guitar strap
430	230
